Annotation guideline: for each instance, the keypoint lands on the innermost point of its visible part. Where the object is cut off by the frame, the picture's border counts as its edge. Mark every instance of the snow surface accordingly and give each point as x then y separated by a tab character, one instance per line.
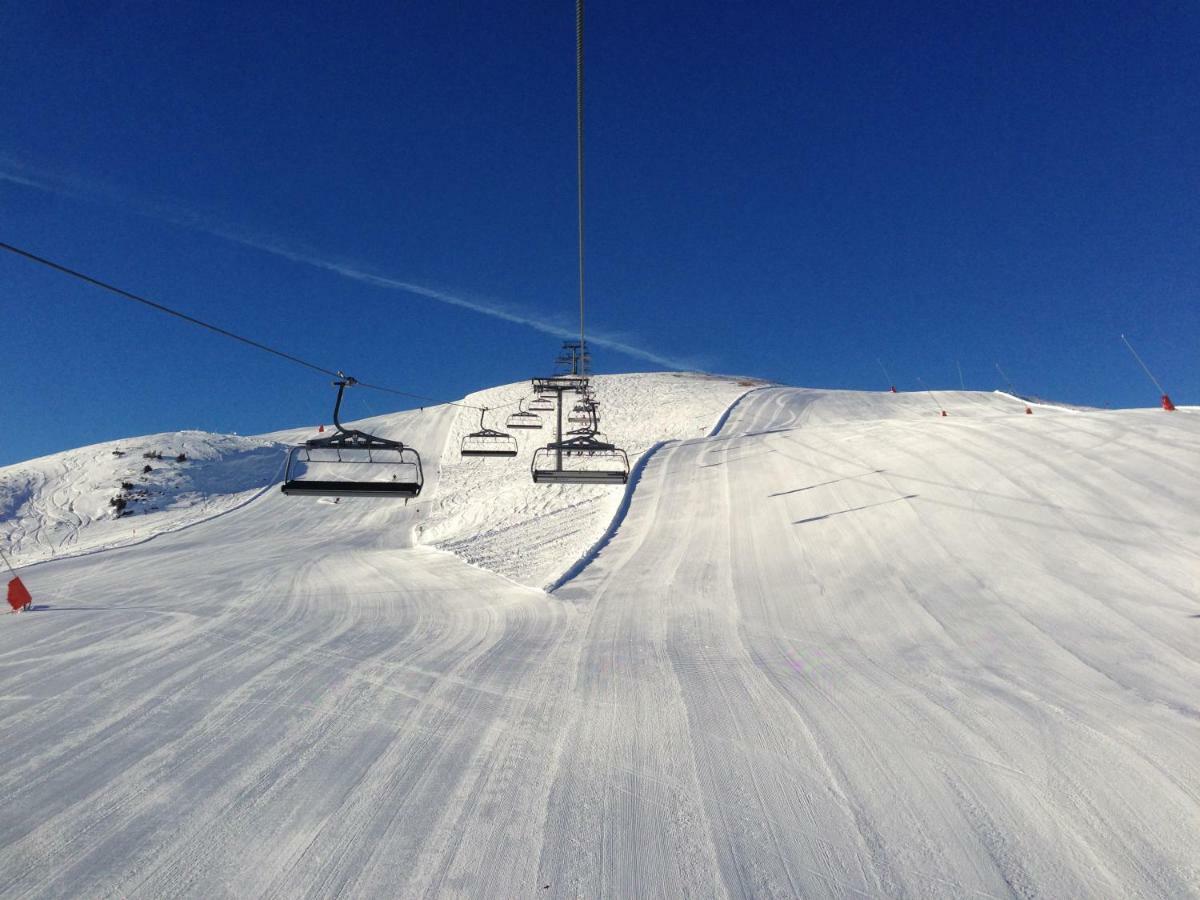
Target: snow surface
491	513
842	647
61	505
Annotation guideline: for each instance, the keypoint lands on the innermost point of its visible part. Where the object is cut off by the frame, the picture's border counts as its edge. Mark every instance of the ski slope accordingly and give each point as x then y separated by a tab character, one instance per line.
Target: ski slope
62	505
841	647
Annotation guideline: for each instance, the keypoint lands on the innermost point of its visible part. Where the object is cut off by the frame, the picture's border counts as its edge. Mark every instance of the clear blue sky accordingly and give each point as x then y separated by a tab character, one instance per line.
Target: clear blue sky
784	190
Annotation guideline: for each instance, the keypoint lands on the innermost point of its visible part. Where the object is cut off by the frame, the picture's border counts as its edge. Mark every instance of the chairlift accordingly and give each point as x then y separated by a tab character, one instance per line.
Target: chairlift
587	431
352	463
523	419
488	442
583	411
580	460
542	403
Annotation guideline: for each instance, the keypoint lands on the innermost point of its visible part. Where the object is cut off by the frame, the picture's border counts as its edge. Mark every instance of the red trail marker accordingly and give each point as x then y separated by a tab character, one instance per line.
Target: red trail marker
1166	401
18	595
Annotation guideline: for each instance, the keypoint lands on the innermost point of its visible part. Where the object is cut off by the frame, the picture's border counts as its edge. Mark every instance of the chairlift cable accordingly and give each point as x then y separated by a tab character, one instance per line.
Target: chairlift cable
579	159
161	308
128	295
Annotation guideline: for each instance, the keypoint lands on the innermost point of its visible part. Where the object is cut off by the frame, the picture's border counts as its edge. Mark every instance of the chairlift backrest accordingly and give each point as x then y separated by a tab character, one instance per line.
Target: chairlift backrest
487	442
523	419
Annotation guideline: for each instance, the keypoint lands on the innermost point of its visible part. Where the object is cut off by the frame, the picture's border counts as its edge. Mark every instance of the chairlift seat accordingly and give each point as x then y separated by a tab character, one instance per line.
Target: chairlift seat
580	476
614	468
363	452
312	488
523	419
488	442
483	451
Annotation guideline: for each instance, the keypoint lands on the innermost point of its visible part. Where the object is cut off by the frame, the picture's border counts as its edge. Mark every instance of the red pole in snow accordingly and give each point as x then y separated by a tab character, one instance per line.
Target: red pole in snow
18	595
885	373
1166	400
931	396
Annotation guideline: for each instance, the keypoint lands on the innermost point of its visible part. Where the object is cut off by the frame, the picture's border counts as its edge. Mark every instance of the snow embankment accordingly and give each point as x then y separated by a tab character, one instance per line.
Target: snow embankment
119	492
491	514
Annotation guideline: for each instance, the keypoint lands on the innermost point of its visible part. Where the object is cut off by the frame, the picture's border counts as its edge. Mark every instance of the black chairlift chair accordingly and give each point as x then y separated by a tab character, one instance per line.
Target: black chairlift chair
523	419
587	431
542	404
582	412
362	464
488	442
580	460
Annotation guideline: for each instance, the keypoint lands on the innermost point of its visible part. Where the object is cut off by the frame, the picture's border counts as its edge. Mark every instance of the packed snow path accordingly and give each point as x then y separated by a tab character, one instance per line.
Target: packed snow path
845	647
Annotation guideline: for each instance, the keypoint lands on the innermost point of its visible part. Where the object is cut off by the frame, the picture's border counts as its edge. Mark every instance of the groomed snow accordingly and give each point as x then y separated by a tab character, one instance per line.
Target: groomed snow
490	513
843	647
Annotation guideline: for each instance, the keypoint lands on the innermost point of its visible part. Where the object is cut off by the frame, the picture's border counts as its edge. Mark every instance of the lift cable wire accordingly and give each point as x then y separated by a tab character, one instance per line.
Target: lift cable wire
579	157
229	334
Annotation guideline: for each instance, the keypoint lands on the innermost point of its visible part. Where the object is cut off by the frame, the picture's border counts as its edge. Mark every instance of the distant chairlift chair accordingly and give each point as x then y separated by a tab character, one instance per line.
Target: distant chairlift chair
583	412
585	458
580	460
523	419
361	464
542	404
488	442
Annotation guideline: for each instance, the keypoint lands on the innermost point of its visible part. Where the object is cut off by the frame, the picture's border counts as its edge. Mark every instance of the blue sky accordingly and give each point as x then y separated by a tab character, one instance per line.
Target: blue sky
782	190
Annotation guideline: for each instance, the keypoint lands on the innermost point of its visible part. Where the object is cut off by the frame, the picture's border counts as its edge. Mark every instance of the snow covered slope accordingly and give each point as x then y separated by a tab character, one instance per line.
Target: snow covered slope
491	513
843	647
486	511
119	492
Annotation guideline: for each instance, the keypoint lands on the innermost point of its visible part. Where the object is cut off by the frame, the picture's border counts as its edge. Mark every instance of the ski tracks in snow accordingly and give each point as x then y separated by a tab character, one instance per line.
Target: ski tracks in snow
842	647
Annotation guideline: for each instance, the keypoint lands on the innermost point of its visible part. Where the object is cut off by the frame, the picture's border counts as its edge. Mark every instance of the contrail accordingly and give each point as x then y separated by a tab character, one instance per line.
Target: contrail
92	192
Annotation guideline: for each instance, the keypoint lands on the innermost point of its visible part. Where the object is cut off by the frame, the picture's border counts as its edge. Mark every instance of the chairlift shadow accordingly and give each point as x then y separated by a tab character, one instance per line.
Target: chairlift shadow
738	458
766	431
51	608
841	512
826	483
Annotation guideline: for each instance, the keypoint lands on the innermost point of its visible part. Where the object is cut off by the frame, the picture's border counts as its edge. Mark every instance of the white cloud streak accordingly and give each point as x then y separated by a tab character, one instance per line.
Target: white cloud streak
94	192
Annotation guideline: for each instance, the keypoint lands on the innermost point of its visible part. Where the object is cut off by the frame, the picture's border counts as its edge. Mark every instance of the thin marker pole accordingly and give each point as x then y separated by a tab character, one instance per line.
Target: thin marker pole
8	564
931	395
891	383
1145	368
961	384
1012	390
